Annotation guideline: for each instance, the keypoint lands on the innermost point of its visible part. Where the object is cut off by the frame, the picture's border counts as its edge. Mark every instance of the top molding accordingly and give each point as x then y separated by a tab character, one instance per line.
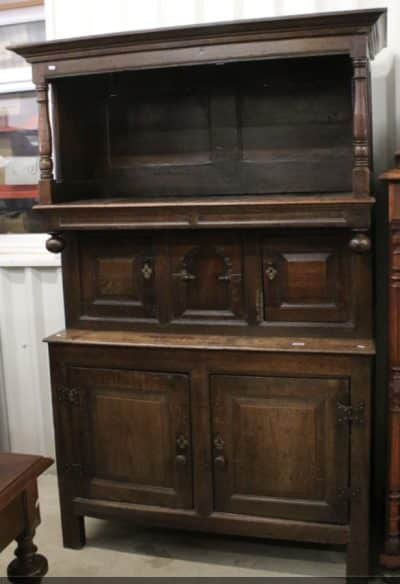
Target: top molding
367	23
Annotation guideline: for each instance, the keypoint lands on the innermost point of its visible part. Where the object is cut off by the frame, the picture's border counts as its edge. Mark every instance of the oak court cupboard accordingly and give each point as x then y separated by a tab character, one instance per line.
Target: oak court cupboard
209	188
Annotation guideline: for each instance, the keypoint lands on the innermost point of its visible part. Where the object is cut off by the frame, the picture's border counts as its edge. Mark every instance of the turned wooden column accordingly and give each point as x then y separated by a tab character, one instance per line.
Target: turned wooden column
45	145
391	555
361	148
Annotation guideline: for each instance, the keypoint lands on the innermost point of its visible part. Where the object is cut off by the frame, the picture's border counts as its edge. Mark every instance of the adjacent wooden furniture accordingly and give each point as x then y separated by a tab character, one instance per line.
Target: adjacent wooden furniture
390	557
19	512
211	197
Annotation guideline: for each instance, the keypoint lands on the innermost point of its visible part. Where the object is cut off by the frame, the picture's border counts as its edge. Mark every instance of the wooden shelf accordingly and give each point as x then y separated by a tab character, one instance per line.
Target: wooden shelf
311	210
215	342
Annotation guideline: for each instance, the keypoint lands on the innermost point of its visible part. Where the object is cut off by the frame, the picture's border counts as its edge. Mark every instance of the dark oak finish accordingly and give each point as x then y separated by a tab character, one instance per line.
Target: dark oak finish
221	279
312	115
211	198
265	383
390	558
307	279
288	211
146	412
253	416
19	512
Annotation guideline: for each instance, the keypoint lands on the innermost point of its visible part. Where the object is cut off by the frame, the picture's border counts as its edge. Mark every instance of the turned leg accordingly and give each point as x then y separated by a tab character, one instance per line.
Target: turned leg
28	564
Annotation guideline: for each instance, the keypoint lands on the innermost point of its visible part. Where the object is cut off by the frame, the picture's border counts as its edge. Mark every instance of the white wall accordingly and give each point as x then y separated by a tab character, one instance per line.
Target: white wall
30	293
31	307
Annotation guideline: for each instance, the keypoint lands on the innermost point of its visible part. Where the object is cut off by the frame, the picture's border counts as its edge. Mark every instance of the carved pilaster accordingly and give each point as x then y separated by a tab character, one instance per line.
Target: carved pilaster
361	147
45	144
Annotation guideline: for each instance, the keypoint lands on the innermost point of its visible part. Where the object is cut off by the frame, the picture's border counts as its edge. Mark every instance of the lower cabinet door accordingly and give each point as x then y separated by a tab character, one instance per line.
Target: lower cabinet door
136	434
280	448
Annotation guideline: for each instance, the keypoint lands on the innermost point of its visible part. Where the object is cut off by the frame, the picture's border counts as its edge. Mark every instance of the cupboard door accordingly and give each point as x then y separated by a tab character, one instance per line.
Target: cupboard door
207	277
117	275
136	435
307	279
279	450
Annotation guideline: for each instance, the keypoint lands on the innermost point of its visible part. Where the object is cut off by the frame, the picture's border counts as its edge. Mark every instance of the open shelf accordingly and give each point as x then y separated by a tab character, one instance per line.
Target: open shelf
272	126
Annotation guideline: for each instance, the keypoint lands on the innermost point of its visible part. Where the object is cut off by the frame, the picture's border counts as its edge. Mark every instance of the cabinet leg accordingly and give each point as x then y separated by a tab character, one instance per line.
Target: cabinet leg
357	561
73	530
73	526
28	564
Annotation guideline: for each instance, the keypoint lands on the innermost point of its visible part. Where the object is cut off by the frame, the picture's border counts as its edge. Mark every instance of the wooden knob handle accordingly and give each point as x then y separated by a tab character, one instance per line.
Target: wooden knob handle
360	243
181	459
220	461
55	243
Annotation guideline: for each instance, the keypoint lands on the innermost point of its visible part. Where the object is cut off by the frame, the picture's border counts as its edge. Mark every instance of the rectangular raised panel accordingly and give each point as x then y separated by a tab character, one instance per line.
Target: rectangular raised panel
132	421
117	277
278	449
207	277
307	279
120	413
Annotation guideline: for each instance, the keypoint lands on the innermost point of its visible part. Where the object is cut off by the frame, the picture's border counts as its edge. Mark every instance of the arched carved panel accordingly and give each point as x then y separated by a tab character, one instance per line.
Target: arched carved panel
207	278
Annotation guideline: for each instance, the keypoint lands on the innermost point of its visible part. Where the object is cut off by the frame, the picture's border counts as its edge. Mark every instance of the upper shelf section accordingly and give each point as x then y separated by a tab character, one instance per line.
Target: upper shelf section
209	125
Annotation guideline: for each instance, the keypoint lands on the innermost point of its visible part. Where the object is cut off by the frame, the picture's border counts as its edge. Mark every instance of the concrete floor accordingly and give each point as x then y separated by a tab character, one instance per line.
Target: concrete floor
119	549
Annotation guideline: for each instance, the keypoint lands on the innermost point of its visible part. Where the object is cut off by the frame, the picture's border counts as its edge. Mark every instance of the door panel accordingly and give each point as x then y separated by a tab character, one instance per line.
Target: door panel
278	449
207	277
307	279
117	274
137	435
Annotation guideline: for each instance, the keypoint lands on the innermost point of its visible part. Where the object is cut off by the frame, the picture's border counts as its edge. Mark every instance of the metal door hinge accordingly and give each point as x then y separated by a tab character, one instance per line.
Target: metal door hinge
348	494
346	414
74	469
68	394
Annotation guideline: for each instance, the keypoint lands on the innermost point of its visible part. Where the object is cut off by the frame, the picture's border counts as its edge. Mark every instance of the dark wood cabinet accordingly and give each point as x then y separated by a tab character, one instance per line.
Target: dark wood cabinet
117	278
211	198
219	279
279	448
207	277
148	459
308	279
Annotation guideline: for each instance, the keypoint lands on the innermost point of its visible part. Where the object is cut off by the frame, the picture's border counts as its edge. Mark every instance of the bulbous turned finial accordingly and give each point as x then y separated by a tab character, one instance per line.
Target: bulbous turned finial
55	243
360	243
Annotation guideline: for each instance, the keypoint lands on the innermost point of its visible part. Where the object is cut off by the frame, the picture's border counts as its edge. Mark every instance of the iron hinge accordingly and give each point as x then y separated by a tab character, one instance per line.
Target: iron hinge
75	470
348	494
346	414
68	394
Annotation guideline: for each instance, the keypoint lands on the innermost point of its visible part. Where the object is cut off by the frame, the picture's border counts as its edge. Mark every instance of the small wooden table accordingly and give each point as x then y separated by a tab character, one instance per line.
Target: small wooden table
19	512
